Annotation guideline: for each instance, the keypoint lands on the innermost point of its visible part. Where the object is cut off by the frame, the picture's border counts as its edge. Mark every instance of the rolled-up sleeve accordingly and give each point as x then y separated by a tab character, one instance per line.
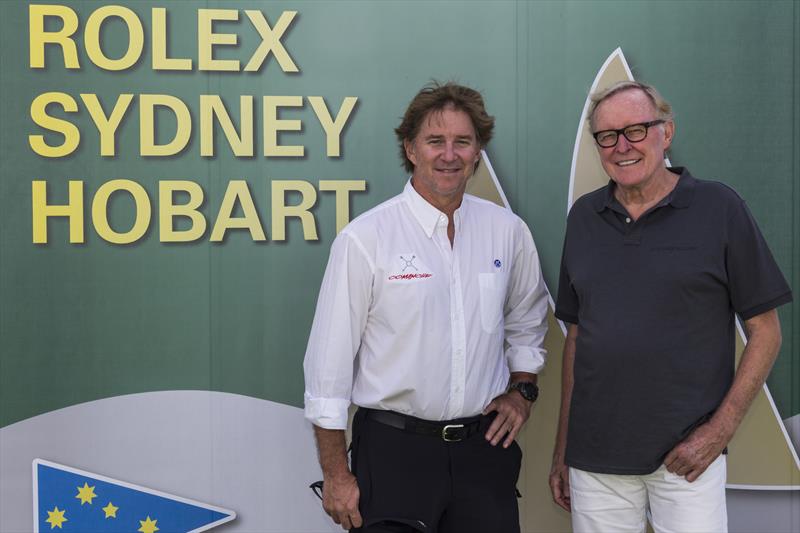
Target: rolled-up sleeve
526	307
335	337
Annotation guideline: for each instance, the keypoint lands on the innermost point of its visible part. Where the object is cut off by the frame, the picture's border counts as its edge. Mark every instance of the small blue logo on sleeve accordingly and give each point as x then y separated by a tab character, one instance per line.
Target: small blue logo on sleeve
497	263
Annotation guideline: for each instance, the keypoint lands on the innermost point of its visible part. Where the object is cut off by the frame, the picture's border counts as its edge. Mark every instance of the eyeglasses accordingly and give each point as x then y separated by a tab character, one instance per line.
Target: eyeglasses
634	133
316	488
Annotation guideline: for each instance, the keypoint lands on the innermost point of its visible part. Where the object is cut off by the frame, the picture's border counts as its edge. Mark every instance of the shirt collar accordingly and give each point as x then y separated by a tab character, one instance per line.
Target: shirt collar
683	193
427	215
680	197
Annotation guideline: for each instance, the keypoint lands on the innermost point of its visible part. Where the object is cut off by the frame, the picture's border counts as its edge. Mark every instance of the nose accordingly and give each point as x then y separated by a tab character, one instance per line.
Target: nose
623	144
449	153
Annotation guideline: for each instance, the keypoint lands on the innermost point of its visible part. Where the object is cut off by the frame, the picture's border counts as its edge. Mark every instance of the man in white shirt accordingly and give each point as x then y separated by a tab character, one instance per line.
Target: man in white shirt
431	318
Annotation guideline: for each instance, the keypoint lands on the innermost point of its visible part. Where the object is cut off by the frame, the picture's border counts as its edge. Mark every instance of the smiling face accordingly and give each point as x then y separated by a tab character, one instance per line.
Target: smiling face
632	165
444	154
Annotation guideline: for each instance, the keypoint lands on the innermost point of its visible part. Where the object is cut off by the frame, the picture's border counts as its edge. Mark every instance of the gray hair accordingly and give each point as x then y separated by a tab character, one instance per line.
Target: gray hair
662	107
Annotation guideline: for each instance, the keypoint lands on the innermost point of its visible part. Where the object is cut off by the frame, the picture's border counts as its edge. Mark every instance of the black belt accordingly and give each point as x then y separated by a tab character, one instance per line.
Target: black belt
447	430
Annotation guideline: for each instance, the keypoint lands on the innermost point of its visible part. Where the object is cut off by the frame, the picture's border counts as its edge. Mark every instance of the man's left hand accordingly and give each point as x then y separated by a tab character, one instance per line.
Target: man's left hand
695	453
691	457
512	412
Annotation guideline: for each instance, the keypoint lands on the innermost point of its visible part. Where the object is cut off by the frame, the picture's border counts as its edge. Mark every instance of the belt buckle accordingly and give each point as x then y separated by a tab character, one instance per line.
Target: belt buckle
452	427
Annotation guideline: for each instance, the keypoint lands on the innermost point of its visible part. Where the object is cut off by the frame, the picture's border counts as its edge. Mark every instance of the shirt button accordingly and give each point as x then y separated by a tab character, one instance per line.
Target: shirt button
627	220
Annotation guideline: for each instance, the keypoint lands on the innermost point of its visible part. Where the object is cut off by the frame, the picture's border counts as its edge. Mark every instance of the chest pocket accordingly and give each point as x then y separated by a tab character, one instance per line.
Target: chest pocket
493	295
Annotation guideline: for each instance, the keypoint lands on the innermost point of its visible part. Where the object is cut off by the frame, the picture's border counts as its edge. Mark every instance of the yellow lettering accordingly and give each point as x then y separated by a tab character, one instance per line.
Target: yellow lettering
272	125
73	210
107	126
38	37
281	211
237	190
333	128
100	211
147	131
168	211
271	41
211	106
135	37
72	136
207	39
160	59
342	189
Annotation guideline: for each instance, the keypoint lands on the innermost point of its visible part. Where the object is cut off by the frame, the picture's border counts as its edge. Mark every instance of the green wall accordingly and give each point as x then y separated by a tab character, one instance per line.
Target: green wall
81	322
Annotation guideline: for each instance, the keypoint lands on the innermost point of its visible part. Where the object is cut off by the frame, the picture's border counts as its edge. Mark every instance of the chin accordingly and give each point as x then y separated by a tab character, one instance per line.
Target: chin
451	186
628	180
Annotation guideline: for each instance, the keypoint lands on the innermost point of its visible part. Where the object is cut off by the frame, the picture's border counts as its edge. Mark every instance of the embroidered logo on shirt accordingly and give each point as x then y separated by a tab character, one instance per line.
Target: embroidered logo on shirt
408	267
409	263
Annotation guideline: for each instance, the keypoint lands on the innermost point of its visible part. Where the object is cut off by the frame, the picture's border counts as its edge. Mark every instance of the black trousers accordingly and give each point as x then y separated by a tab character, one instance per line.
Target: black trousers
410	482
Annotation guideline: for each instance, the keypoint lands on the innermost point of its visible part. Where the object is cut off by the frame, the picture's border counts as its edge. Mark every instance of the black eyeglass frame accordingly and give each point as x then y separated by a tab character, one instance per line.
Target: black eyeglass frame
316	488
647	126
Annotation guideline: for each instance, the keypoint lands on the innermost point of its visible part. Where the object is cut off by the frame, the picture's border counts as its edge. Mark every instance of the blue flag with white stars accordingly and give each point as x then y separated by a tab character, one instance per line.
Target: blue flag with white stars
67	499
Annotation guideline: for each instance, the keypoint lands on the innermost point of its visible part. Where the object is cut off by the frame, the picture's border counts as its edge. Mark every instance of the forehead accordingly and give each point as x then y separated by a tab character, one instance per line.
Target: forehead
622	109
447	121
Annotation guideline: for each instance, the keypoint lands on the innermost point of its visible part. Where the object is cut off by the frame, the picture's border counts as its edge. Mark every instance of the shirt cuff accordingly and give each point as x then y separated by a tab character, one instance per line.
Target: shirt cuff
525	359
767	306
566	317
328	413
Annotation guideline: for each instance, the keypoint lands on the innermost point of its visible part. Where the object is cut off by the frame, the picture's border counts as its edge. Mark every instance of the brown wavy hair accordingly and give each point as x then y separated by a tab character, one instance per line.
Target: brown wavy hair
437	96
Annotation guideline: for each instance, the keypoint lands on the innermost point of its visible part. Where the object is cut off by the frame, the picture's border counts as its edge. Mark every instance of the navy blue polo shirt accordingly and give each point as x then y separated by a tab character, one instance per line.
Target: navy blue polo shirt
655	301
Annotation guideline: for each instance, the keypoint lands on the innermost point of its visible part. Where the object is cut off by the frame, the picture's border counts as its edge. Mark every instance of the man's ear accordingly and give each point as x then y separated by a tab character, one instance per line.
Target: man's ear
669	134
409	148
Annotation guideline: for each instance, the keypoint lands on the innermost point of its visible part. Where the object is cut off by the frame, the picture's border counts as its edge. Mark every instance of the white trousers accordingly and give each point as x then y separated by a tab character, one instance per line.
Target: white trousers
610	503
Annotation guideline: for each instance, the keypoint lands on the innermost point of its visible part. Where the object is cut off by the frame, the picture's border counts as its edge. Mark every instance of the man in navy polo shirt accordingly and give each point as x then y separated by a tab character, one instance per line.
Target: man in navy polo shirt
655	267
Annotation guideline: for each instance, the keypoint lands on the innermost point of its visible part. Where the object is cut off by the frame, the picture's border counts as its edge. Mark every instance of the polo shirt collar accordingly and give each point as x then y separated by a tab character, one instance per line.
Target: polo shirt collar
680	197
683	193
427	215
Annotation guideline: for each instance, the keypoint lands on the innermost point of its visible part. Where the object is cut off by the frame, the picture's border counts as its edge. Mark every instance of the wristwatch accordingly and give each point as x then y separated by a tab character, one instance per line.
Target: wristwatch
528	390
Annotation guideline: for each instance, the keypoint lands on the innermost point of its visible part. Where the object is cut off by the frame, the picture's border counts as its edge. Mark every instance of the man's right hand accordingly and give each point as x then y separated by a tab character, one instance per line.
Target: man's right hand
340	500
559	484
340	492
559	472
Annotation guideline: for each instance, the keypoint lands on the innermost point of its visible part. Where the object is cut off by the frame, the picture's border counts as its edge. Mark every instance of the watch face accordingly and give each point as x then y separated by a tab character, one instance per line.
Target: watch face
529	391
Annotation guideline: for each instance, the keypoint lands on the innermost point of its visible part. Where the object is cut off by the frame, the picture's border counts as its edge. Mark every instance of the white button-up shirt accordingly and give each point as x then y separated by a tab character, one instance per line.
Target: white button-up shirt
407	323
